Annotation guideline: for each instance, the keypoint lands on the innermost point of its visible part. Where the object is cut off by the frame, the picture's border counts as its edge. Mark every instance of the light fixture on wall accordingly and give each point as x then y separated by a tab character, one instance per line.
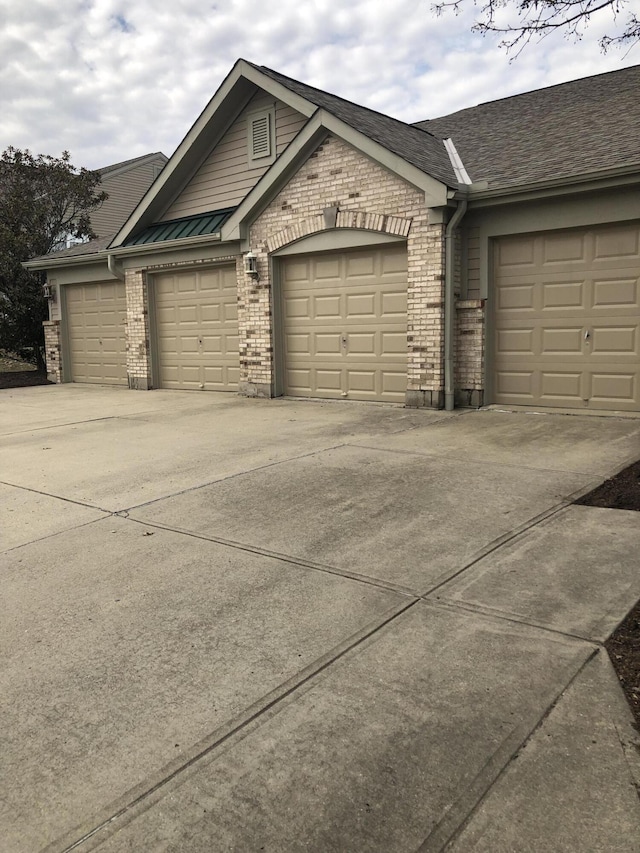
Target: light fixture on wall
49	292
251	265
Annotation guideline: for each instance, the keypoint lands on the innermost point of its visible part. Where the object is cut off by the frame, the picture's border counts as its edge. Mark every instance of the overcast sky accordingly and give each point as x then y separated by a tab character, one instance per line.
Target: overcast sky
109	80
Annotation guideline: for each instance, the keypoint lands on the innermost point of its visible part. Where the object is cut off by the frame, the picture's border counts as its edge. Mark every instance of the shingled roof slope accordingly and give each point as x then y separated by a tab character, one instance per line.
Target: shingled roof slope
559	132
417	146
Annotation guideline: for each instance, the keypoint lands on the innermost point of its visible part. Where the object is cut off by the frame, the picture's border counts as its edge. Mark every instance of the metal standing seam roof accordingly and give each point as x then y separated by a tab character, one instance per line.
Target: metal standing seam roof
179	229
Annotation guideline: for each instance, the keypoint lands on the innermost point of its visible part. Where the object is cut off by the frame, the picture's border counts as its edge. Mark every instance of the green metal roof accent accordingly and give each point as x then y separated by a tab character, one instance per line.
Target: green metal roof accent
178	229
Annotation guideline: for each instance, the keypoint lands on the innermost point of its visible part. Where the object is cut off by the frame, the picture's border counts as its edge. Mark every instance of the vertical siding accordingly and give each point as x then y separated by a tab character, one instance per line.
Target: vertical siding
226	176
473	263
125	191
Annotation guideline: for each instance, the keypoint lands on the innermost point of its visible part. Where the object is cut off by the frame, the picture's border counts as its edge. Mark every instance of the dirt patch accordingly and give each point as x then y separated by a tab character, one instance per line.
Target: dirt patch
22	378
17	373
623	492
619	492
624	650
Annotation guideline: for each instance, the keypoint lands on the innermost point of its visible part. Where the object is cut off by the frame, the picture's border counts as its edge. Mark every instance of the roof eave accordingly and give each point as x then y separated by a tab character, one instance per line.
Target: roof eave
482	194
68	261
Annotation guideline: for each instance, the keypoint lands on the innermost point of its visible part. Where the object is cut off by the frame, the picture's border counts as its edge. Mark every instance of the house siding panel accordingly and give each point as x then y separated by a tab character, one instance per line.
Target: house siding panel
226	177
125	191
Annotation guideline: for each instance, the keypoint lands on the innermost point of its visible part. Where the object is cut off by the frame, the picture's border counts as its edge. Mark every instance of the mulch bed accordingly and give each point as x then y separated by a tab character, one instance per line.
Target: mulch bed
22	378
623	492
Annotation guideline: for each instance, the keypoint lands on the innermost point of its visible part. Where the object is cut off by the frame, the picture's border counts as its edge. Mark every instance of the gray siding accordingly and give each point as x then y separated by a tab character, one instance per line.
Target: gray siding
125	191
226	176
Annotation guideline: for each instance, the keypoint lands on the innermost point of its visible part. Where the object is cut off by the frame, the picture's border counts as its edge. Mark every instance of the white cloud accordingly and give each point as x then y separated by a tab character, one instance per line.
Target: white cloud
109	80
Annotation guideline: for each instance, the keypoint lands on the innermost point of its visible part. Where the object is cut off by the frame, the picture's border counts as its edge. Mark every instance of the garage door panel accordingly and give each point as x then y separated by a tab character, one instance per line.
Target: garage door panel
615	340
345	325
362	305
394	304
613	390
327	381
619	243
563	294
325	306
616	293
562	341
197	329
564	385
95	316
590	278
517	297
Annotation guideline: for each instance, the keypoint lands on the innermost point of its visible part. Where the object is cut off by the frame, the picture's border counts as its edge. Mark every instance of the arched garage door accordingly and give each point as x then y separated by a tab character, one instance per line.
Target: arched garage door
95	317
344	324
567	319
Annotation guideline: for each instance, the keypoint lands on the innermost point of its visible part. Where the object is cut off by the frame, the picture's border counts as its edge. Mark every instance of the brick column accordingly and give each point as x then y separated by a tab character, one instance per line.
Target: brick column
425	314
53	350
469	362
255	328
138	338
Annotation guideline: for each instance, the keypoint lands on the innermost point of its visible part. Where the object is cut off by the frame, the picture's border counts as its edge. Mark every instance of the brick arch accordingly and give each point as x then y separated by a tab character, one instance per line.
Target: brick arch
353	219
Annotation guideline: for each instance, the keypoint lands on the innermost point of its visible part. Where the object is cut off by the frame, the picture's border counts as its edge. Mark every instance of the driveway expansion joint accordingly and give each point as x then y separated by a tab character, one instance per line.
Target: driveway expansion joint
463	809
139	799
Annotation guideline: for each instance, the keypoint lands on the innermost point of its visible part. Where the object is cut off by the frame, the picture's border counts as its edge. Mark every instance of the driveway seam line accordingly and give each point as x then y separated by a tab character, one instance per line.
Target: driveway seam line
443	833
498	543
57	533
285	558
257	710
229	477
57	497
512	618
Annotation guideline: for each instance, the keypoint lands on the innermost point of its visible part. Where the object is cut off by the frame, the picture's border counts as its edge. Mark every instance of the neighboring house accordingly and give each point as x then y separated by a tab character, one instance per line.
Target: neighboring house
125	184
299	244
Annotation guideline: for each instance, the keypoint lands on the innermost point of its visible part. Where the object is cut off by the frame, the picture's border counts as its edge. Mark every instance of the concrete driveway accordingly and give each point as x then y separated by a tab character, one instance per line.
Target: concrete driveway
248	625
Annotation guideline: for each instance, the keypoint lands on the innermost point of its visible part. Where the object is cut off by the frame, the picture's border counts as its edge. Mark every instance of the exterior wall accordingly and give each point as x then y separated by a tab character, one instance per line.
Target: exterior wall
138	335
365	196
226	176
125	189
53	350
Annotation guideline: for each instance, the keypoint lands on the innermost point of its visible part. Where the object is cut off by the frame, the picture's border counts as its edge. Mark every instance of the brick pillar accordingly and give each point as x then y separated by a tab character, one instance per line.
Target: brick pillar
255	327
425	314
138	339
53	350
469	362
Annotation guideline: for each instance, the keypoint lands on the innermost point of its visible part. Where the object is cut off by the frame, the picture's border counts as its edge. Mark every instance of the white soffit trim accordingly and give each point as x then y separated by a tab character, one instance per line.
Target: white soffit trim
456	162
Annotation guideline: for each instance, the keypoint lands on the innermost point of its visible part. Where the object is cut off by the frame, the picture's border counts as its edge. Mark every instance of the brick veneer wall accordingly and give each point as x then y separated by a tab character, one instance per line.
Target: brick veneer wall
53	350
469	355
138	337
366	196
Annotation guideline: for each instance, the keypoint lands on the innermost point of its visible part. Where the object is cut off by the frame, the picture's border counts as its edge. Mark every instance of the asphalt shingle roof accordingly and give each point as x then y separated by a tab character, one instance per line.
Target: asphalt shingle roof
417	146
90	248
559	132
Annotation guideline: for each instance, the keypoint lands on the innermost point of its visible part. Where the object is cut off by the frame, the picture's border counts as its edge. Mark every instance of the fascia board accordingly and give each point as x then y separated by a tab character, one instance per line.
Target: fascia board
604	179
299	149
71	261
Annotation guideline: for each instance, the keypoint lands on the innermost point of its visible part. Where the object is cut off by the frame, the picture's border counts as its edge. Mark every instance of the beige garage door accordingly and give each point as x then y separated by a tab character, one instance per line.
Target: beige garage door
197	329
345	325
567	319
95	319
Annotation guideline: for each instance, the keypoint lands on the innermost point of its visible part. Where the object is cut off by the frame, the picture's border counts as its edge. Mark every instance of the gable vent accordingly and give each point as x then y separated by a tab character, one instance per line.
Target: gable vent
260	136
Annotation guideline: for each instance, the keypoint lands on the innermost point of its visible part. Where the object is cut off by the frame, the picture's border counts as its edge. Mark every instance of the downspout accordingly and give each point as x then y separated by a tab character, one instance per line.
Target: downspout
115	268
450	304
